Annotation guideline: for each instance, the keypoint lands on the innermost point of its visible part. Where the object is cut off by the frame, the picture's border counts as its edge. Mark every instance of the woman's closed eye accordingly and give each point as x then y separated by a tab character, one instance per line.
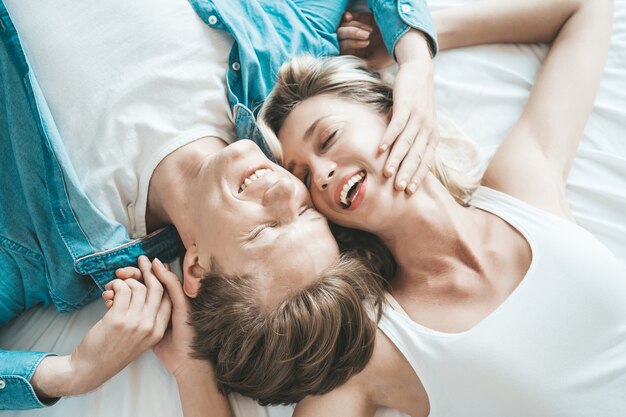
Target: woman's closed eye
328	140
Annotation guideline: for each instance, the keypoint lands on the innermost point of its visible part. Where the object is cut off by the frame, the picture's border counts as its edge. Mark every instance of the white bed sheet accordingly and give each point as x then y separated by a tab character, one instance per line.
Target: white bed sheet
481	89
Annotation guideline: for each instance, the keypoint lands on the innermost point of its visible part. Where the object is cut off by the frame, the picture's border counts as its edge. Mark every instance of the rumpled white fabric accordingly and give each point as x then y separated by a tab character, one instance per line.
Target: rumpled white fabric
480	89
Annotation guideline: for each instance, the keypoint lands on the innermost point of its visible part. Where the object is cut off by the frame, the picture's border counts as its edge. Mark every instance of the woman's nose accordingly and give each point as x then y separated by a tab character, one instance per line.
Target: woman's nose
323	176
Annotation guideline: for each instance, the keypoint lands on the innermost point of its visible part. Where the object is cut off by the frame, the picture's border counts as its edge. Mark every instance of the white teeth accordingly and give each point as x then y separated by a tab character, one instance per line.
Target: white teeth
254	176
343	196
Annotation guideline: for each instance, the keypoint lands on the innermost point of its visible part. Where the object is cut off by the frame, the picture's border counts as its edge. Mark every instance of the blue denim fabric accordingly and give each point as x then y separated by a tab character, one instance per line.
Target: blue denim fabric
55	246
281	30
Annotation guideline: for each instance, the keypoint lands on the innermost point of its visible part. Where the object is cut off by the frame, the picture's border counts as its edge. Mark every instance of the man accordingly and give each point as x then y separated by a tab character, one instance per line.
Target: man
115	121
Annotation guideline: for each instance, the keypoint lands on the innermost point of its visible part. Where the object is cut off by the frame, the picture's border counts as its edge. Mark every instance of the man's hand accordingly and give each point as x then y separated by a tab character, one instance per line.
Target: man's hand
359	35
412	133
137	318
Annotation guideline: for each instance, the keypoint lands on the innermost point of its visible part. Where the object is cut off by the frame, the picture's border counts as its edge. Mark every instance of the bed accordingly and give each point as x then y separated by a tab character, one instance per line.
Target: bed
482	91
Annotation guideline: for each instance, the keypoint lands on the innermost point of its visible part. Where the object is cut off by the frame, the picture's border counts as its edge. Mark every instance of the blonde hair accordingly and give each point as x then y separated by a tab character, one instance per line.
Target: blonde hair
458	161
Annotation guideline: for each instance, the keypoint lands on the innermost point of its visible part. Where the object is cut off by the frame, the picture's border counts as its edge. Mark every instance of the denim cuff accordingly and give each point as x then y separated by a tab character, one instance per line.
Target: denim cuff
16	370
395	18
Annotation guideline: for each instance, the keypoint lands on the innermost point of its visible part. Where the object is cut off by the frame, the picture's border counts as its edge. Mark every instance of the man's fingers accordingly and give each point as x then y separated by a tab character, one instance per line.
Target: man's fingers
354	30
401	146
411	162
122	296
352	47
172	284
426	165
394	129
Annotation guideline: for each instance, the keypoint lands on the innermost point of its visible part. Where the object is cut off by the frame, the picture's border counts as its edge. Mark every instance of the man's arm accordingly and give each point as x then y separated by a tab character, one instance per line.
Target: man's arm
16	372
134	323
396	18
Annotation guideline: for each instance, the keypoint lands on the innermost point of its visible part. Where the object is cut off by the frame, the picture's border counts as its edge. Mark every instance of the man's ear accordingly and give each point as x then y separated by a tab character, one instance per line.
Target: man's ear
193	272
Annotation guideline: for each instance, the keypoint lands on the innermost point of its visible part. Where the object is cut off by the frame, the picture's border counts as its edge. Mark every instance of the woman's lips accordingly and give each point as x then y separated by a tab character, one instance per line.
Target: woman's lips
351	190
360	194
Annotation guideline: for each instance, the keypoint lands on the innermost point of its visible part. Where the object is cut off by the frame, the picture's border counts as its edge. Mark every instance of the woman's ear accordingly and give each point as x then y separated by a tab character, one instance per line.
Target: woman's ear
193	272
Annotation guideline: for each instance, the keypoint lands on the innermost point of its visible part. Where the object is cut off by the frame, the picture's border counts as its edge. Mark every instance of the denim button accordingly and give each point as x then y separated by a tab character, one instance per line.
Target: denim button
406	8
2	384
212	20
236	66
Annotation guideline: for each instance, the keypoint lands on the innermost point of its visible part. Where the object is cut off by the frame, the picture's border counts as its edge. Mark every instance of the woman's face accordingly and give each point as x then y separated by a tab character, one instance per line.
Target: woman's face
331	144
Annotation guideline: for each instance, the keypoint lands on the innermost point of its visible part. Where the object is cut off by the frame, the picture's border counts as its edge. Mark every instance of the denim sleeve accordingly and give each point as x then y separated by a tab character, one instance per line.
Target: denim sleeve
396	17
16	370
323	15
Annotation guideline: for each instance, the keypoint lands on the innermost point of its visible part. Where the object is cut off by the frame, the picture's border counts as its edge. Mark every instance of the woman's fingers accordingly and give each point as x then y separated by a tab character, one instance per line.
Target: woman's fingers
171	283
163	317
154	287
138	297
128	273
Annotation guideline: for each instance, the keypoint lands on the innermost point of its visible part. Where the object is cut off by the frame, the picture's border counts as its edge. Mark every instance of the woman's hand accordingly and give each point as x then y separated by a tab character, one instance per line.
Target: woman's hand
412	134
174	349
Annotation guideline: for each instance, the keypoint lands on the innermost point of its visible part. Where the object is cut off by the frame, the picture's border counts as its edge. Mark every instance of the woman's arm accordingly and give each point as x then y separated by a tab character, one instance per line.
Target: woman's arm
196	382
536	156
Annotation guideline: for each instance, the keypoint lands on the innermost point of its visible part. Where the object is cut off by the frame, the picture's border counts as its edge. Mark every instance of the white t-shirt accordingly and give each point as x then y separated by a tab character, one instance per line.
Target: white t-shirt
127	82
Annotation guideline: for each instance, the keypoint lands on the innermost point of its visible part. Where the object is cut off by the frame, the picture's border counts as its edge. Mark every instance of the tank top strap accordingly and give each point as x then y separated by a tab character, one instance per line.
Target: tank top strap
530	221
395	304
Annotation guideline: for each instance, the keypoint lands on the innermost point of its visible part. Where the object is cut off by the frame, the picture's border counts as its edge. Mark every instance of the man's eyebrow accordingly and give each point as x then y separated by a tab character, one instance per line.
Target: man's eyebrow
309	132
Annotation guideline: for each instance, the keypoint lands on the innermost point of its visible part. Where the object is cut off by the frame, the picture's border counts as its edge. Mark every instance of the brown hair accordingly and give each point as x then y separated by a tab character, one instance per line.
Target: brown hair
311	343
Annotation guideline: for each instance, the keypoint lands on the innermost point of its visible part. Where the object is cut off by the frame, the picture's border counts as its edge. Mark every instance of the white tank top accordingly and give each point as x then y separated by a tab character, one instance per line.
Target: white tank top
556	347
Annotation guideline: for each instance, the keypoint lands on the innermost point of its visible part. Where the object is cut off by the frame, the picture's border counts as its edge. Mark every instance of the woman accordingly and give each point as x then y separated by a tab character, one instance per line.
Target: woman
510	308
509	322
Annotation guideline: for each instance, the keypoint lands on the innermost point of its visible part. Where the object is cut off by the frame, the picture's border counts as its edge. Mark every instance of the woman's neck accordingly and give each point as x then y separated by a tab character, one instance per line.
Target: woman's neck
433	234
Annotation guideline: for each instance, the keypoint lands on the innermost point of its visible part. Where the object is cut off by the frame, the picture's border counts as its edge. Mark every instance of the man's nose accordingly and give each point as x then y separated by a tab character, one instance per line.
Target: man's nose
280	199
323	175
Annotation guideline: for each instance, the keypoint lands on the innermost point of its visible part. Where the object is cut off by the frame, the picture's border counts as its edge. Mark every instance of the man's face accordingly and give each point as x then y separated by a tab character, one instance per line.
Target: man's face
257	219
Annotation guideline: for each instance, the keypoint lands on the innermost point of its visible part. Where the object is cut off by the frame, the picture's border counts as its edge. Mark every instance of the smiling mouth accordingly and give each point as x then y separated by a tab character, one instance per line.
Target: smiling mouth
351	189
253	177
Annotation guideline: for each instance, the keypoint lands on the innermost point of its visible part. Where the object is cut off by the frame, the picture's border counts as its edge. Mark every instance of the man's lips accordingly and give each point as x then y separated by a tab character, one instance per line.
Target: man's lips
251	175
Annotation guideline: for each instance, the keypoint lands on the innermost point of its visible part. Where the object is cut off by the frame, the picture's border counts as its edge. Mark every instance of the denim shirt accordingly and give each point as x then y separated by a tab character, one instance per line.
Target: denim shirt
55	245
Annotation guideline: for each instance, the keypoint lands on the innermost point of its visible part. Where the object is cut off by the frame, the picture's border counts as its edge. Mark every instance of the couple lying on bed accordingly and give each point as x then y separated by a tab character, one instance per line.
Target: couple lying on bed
498	278
500	304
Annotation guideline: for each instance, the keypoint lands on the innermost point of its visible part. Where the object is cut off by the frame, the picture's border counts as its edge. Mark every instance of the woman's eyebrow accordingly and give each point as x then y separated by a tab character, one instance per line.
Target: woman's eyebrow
309	132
